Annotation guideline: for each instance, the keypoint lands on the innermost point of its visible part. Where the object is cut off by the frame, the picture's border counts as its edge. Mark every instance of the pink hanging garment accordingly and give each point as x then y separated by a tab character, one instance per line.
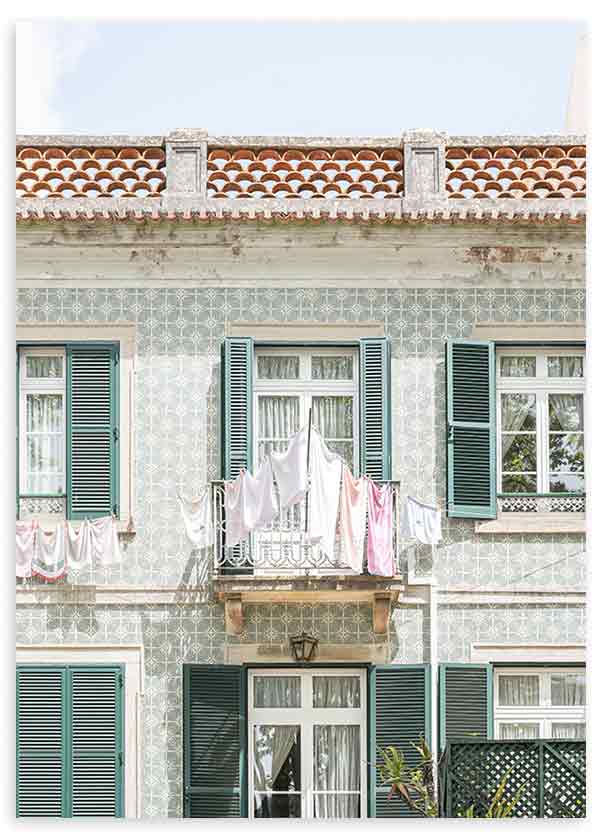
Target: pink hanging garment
50	562
25	546
380	546
353	519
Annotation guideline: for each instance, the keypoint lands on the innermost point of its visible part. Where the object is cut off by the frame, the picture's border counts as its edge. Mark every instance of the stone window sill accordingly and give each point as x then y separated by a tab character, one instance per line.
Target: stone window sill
533	523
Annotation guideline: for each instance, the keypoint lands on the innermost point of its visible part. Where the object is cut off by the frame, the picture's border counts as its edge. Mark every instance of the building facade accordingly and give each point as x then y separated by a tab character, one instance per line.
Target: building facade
184	301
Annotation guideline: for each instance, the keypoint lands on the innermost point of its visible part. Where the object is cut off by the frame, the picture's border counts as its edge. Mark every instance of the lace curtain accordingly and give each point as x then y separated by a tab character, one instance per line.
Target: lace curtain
565	366
567	690
44	431
512	731
519	690
336	692
568	730
277	692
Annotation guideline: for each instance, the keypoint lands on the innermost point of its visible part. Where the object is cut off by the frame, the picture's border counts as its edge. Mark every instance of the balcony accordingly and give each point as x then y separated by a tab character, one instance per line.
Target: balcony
280	563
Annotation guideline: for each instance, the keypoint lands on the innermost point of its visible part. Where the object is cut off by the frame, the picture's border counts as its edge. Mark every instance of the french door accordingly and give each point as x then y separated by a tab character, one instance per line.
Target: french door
307	743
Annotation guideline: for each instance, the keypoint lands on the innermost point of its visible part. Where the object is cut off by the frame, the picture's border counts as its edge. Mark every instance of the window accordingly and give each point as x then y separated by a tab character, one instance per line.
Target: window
307	743
539	703
68	429
69	741
540	414
289	382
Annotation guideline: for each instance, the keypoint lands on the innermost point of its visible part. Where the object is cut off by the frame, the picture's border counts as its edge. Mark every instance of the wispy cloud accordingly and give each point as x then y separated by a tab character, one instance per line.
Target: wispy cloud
46	52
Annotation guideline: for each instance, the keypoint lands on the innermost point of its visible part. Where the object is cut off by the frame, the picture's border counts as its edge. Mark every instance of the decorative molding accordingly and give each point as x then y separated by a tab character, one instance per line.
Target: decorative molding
382	604
529	331
305	331
234	616
527	652
377	654
535	523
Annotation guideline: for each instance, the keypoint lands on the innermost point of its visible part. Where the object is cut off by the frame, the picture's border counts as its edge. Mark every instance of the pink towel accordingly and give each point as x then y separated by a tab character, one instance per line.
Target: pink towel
380	548
353	519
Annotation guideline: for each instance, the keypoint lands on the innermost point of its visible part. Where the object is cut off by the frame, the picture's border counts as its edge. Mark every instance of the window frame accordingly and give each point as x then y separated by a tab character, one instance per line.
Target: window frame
541	386
307	717
544	714
305	388
27	386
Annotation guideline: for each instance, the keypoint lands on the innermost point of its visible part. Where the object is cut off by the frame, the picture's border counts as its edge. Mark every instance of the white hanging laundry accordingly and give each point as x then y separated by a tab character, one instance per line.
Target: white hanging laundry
25	533
353	519
104	541
50	561
78	550
324	495
197	518
421	522
249	503
289	469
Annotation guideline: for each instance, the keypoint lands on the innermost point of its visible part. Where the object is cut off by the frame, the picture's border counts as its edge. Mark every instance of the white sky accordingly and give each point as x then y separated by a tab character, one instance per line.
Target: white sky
294	77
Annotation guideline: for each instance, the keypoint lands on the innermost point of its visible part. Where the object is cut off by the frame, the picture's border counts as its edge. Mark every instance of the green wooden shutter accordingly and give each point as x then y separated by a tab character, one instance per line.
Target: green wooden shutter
96	742
92	430
236	412
41	780
399	712
471	411
214	760
466	702
375	408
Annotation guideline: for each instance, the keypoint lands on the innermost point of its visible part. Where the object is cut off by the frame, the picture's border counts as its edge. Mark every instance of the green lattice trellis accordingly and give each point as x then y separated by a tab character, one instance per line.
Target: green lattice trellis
553	773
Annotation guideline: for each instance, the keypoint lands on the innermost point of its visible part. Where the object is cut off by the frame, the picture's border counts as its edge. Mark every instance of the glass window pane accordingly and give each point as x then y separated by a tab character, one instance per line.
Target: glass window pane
331	367
278	420
277	805
44	413
519	690
566	412
567	483
519	730
44	429
519	453
566	452
567	689
278	367
333	416
517	366
277	692
574	731
336	692
336	767
565	366
277	758
518	413
44	367
519	483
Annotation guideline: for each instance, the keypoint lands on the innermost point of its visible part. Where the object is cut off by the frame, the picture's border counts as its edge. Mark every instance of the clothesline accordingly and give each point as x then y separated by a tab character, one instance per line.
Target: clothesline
49	553
336	503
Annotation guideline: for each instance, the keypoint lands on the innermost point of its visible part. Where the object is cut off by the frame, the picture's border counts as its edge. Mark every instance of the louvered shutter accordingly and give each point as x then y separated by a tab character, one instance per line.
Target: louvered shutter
465	702
375	408
214	741
236	413
41	781
92	430
96	748
471	411
400	712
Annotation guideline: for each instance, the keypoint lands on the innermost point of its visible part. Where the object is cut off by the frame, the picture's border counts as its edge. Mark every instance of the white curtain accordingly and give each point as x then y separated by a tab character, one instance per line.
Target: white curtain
516	409
336	692
567	690
337	768
44	430
278	367
519	690
332	416
272	745
278	420
44	367
510	731
565	366
517	366
568	730
331	367
277	692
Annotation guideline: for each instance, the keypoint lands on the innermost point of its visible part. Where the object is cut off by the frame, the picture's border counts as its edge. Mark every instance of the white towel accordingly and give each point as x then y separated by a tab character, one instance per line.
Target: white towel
249	504
353	519
104	541
197	518
78	544
289	469
324	494
50	561
421	522
25	534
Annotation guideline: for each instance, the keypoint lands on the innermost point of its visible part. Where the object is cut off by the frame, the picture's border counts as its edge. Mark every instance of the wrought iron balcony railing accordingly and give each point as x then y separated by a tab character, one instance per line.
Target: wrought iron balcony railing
285	549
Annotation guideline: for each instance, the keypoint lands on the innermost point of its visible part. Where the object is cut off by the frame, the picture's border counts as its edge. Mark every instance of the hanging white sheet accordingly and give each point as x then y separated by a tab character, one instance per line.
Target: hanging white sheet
25	548
49	561
324	495
289	469
421	522
197	518
249	503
